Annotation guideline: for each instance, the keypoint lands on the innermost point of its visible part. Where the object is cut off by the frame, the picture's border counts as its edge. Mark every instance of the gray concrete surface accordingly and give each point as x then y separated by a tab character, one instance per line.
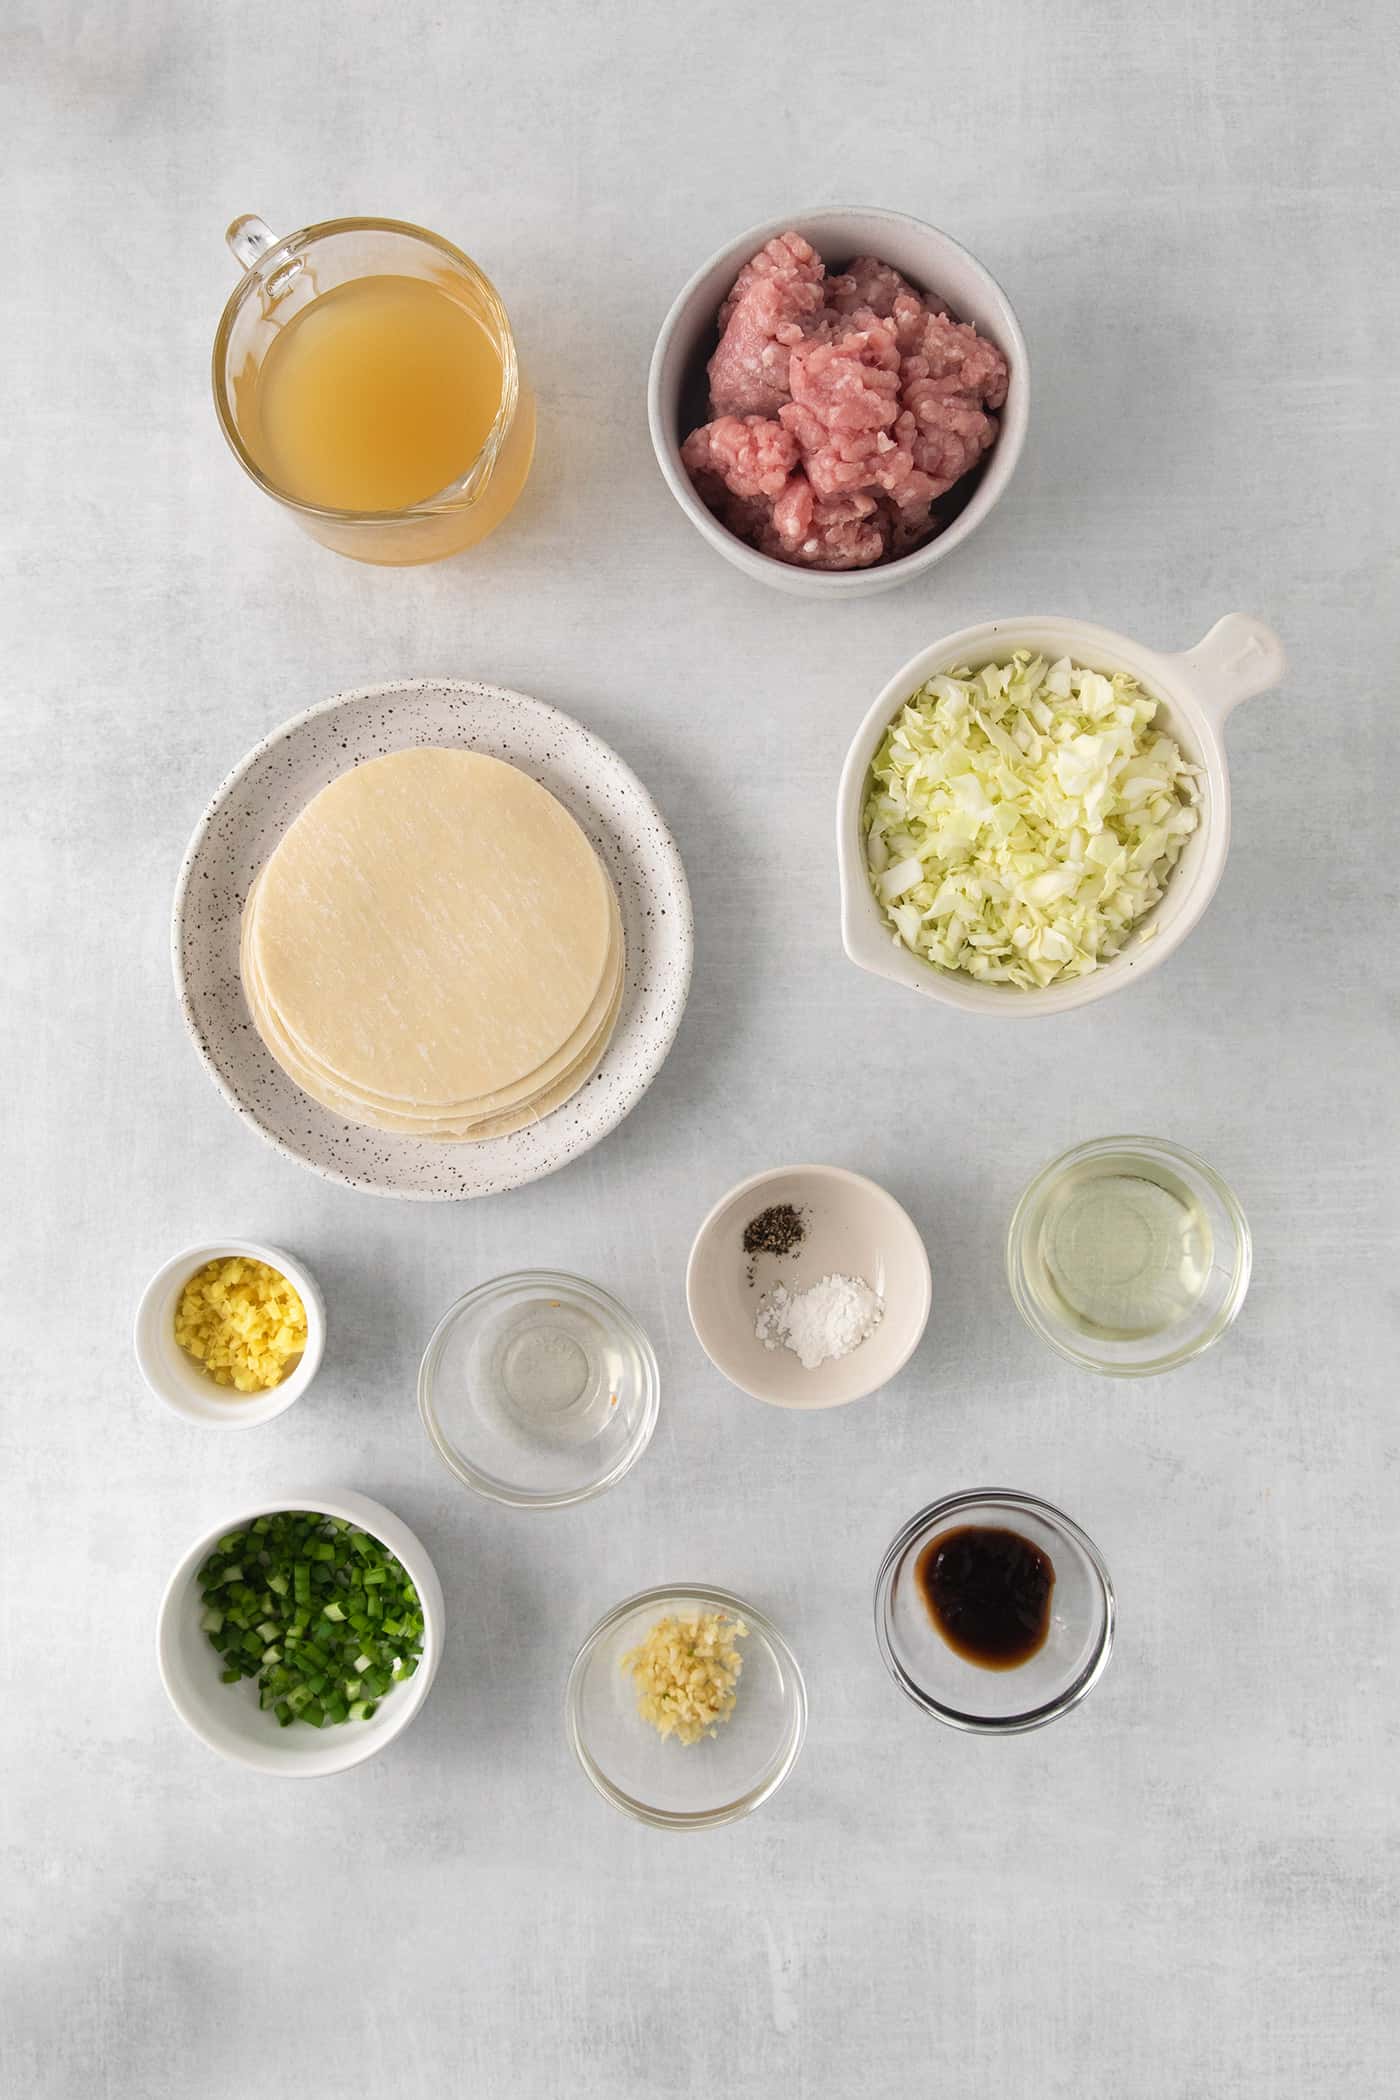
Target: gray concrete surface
1188	1889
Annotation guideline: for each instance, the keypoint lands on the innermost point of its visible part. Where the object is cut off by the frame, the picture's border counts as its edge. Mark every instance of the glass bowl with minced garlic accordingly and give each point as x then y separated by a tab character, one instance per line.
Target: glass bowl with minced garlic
230	1333
686	1707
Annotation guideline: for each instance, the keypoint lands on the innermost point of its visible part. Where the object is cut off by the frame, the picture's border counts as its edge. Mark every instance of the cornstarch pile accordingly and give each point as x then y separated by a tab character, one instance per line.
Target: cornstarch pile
828	1320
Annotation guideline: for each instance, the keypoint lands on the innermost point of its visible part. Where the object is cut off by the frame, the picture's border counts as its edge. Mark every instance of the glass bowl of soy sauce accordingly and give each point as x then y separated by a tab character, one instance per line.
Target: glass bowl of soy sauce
994	1611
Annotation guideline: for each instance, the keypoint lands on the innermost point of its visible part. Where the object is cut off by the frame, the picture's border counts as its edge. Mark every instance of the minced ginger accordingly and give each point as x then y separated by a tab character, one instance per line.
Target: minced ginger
242	1322
687	1673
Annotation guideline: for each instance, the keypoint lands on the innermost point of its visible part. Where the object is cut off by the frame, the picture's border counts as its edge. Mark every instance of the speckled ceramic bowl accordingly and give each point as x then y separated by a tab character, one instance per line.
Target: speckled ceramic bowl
248	816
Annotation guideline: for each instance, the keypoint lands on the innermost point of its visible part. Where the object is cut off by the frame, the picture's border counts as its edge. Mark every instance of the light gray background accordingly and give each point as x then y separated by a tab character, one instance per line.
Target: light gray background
1188	1888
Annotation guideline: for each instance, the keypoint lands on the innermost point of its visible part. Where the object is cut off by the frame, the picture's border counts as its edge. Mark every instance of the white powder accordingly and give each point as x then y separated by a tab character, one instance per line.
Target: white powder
830	1319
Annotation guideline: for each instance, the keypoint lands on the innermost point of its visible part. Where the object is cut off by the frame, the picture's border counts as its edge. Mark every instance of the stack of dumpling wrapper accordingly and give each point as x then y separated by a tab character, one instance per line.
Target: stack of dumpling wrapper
434	948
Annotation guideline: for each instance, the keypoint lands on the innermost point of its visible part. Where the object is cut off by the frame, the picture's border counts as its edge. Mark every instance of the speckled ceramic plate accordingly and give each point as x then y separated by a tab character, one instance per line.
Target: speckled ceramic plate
248	816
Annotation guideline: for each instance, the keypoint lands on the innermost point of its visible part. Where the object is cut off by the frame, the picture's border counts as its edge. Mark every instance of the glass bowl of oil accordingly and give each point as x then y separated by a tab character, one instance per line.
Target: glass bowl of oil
539	1390
1129	1255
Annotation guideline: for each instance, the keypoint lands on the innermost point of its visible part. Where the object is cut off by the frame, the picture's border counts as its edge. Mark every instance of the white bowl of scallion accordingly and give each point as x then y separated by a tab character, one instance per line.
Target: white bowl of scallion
301	1636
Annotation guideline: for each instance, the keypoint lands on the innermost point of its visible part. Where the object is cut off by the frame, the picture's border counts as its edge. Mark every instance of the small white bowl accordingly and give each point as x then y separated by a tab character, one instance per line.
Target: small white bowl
853	1228
227	1716
933	262
177	1379
1196	691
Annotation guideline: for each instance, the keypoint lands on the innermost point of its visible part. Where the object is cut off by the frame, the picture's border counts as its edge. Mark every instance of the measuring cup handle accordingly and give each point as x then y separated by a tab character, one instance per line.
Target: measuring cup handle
249	238
1237	659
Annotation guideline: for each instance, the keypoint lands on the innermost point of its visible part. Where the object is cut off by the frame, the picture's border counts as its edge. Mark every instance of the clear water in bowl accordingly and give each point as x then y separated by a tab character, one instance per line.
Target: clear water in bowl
548	1372
539	1389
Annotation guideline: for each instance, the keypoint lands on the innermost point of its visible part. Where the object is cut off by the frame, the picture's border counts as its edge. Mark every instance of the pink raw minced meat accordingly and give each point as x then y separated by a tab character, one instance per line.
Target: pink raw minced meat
868	285
749	370
788	256
846	417
841	407
750	456
848	531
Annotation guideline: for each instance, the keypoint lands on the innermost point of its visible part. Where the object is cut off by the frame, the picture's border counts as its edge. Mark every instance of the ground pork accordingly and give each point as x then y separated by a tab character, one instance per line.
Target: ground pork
870	284
788	256
749	370
751	456
849	531
841	409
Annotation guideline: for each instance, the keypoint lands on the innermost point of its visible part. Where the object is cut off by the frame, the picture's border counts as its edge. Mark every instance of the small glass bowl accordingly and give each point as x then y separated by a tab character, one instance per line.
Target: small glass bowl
1054	1679
539	1389
659	1780
1220	1297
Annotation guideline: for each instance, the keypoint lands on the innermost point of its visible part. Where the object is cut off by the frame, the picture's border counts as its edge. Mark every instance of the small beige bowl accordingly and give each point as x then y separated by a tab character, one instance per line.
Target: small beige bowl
177	1379
853	1229
933	261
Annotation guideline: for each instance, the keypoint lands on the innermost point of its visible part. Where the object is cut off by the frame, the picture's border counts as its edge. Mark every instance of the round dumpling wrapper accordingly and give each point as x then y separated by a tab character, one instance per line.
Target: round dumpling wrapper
434	927
311	1073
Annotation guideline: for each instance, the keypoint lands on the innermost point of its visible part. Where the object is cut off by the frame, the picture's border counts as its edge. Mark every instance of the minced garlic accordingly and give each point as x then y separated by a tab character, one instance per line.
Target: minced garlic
687	1672
242	1322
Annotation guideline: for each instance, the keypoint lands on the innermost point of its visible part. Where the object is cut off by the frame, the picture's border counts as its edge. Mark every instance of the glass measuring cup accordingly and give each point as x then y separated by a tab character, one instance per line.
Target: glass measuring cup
282	277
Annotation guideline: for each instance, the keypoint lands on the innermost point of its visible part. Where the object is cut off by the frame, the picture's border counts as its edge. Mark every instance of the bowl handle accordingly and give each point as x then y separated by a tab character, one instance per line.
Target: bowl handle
1237	659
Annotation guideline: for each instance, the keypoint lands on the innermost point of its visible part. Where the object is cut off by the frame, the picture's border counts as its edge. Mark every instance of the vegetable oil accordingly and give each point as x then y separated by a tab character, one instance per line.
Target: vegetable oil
1122	1250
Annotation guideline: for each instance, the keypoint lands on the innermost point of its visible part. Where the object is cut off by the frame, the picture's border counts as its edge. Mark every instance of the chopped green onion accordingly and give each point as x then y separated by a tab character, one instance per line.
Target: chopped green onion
319	1612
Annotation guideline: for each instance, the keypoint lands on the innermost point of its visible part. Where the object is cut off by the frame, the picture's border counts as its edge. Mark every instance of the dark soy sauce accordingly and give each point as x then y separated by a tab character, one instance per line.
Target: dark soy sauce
988	1593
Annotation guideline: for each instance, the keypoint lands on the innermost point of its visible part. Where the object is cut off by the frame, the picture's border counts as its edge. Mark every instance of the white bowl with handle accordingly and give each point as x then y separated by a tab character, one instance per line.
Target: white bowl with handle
1196	691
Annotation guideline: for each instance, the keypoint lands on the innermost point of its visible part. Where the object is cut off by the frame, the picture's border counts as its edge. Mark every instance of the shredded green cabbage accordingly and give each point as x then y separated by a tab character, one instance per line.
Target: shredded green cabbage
1020	822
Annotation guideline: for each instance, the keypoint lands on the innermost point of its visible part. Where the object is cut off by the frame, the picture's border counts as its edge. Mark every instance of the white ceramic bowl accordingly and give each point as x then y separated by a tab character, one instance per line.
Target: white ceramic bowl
177	1380
931	260
853	1228
227	1716
1196	691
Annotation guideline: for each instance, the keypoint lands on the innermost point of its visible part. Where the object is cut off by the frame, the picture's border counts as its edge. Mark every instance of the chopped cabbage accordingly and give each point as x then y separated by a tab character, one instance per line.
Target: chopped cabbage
1020	822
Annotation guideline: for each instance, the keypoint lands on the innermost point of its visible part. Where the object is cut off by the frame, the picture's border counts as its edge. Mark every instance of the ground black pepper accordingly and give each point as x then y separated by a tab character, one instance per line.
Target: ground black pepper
777	1230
